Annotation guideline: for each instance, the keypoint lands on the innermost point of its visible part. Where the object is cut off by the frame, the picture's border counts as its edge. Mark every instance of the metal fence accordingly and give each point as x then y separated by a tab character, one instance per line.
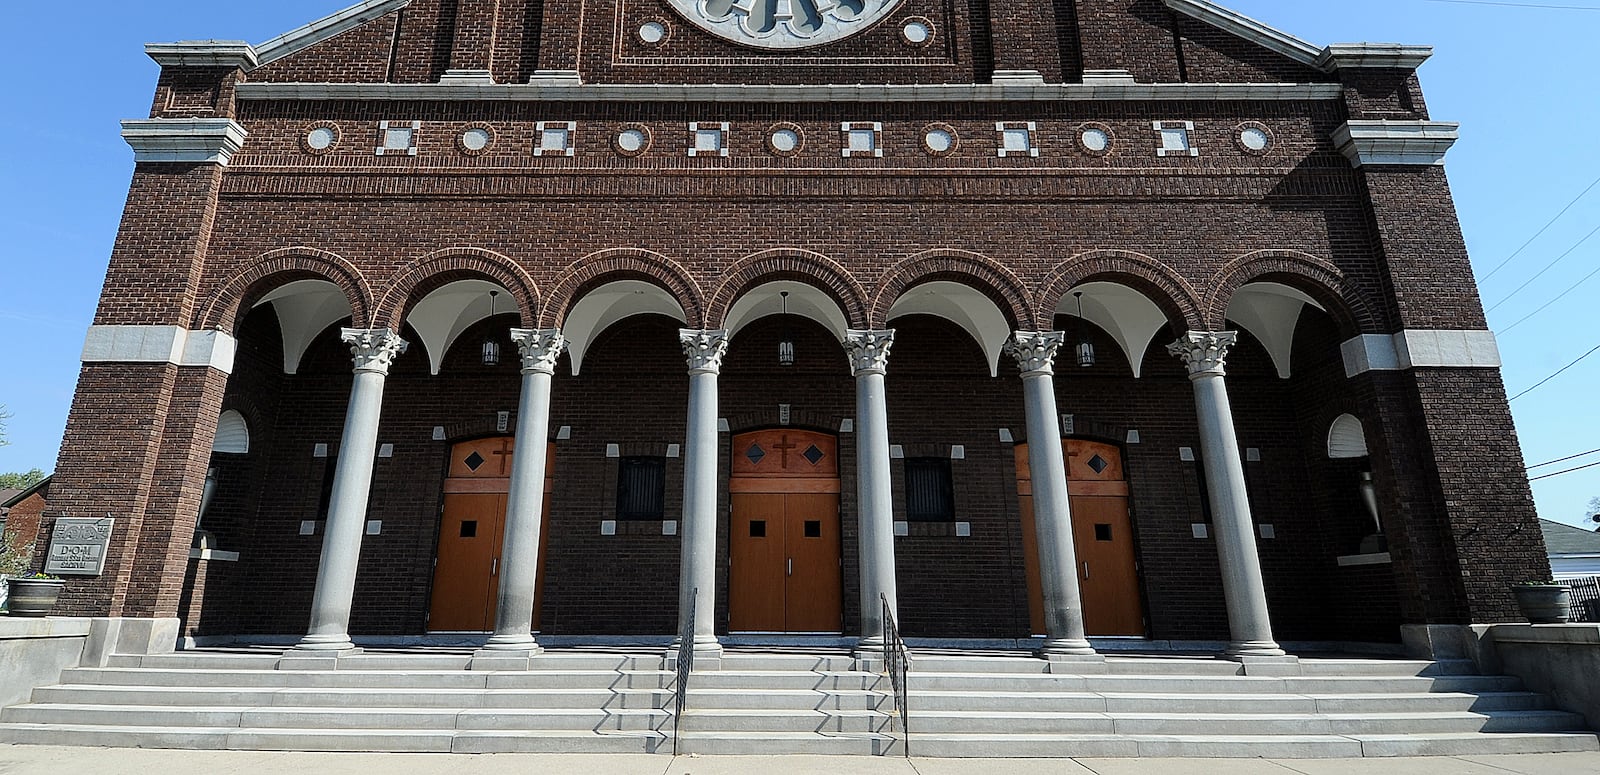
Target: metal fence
685	667
1585	598
898	666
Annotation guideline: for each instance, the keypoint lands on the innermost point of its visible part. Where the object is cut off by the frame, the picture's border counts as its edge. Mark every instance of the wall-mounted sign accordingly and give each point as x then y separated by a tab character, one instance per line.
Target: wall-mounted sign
78	546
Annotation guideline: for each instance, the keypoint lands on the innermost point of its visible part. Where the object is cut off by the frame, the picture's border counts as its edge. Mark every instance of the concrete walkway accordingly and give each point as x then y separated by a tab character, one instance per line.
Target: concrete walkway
39	760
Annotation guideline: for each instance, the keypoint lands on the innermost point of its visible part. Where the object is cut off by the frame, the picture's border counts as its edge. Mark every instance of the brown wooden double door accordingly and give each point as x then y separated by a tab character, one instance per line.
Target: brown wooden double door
1102	535
783	534
466	574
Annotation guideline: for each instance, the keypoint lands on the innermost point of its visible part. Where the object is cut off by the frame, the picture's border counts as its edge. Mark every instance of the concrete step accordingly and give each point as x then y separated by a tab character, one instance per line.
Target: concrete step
197	660
1129	746
767	720
352	697
792	699
1476	744
1428	702
787	743
756	680
1367	667
821	663
985	702
523	741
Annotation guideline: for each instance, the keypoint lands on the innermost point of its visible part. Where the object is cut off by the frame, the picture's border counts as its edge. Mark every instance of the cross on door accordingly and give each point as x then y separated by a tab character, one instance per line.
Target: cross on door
505	452
783	446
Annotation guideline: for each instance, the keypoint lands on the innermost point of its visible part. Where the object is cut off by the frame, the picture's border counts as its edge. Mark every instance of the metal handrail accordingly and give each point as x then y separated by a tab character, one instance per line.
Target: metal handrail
898	667
1585	598
685	666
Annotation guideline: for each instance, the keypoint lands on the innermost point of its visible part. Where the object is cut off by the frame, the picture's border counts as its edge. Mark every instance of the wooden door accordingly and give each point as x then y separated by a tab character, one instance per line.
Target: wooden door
466	576
1102	531
784	533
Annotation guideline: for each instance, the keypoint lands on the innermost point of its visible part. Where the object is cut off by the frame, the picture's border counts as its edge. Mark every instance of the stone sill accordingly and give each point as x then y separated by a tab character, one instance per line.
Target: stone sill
27	627
1547	634
1356	560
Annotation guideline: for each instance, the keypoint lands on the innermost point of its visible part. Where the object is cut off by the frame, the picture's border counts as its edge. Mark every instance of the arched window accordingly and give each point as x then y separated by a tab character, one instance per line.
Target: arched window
233	434
1346	438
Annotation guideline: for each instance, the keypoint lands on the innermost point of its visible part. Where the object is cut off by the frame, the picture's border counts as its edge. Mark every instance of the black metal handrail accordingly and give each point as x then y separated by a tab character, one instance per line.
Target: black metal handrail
898	667
685	666
1585	598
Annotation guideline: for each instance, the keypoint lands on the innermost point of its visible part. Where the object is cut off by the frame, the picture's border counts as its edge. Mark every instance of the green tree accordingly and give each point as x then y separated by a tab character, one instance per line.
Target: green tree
21	481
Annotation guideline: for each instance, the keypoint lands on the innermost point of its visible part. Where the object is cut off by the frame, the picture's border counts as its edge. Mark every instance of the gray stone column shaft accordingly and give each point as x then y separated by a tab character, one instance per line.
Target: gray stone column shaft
698	532
869	355
519	554
1052	511
1242	586
373	351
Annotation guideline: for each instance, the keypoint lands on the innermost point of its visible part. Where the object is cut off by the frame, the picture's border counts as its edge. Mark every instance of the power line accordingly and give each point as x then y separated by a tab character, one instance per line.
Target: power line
1546	268
1562	459
1557	374
1547	304
1541	231
1518	5
1568	471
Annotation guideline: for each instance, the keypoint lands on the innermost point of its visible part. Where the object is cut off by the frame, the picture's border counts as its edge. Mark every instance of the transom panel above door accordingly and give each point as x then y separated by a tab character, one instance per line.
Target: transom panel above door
784	544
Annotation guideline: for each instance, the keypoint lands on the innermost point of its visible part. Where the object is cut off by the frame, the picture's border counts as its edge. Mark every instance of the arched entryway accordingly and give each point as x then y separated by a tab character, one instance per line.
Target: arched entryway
784	546
466	574
1102	533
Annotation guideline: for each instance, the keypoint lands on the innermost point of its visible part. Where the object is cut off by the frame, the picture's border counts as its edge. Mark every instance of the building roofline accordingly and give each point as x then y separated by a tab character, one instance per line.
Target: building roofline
325	28
22	496
1329	59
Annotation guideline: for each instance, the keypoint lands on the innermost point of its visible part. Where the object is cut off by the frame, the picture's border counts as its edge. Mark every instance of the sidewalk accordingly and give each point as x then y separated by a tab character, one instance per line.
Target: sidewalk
39	760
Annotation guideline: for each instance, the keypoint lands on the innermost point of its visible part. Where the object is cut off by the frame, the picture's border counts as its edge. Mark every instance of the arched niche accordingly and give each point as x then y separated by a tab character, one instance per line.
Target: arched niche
1270	312
609	303
963	305
805	301
233	434
441	316
305	308
1130	317
1347	438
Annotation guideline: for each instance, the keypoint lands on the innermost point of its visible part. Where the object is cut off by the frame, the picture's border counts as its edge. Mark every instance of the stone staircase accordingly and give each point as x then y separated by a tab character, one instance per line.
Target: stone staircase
962	705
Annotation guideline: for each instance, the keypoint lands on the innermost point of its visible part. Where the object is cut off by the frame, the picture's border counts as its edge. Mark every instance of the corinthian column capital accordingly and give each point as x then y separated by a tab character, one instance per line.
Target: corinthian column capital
868	351
1035	351
373	349
1204	352
703	349
540	348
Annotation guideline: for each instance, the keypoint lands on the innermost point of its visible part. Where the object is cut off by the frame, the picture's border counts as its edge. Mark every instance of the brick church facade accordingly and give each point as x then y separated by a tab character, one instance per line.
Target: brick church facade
1128	318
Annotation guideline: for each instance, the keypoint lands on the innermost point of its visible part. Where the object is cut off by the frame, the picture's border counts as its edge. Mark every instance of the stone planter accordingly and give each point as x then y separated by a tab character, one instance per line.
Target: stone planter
1545	603
33	597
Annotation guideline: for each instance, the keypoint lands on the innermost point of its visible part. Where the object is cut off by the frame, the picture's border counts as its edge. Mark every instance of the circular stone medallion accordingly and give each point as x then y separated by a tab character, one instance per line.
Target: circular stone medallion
784	24
632	140
652	32
939	139
1254	139
476	139
320	139
785	139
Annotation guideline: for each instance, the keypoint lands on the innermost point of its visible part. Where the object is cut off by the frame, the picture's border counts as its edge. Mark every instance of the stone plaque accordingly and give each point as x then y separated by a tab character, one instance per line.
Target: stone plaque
78	546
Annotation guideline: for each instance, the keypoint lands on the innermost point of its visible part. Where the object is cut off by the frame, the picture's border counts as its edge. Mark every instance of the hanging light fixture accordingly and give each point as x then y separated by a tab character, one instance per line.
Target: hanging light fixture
786	344
1085	347
491	348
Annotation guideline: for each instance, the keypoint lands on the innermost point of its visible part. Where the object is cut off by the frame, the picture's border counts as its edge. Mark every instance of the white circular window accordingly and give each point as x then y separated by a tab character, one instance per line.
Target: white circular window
1254	138
476	139
322	138
631	140
916	32
1096	140
939	140
652	32
785	141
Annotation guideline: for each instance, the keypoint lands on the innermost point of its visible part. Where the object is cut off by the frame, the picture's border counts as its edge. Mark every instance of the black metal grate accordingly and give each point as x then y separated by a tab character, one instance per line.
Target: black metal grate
1585	598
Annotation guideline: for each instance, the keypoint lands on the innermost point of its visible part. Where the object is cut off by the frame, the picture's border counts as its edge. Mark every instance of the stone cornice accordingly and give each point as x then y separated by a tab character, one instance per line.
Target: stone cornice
868	351
1204	352
573	92
540	348
1415	143
1035	351
203	53
213	140
325	28
373	349
1330	59
1387	56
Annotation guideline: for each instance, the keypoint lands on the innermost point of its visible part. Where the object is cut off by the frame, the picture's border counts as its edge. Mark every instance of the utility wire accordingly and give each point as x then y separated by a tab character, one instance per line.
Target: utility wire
1541	231
1557	374
1568	471
1546	268
1562	459
1570	289
1518	5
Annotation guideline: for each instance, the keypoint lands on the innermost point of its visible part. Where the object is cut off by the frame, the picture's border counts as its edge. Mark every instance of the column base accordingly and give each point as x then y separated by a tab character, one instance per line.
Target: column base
325	643
1253	648
491	658
707	655
318	659
1067	648
1287	665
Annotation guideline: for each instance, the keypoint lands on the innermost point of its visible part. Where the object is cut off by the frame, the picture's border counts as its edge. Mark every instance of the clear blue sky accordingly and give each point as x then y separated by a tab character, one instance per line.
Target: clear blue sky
1518	79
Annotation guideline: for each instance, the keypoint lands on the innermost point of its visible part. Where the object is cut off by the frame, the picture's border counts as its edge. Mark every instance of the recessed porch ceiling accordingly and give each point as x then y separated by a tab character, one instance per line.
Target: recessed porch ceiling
1130	317
805	301
305	308
1270	312
610	303
965	306
441	316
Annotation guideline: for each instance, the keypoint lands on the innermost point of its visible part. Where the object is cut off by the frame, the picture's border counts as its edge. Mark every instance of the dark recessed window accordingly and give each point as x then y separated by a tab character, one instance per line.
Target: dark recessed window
642	488
930	497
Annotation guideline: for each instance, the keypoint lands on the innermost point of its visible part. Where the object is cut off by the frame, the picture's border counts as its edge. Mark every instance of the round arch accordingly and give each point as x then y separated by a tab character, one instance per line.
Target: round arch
1315	277
416	280
1003	287
603	306
1173	295
276	268
794	266
616	264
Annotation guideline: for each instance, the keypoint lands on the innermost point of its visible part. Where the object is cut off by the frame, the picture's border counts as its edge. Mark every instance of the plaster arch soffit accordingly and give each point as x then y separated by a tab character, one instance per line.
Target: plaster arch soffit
600	308
805	300
420	278
1317	278
1004	289
963	305
1270	312
614	264
446	312
256	279
305	308
795	266
1151	278
1125	313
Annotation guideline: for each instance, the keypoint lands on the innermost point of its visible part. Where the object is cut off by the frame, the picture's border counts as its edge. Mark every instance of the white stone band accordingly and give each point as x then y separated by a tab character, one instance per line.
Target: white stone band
160	344
184	140
1409	143
1415	348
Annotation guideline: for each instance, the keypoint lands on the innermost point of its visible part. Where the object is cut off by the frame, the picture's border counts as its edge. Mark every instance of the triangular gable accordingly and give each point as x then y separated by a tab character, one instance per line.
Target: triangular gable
325	28
1326	59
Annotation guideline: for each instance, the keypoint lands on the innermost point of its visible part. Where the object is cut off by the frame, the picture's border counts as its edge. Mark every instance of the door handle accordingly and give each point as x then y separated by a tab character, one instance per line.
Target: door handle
494	566
1086	571
789	569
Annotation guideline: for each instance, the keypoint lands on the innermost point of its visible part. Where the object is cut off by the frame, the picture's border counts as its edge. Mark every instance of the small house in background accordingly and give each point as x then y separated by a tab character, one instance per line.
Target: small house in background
20	511
1574	551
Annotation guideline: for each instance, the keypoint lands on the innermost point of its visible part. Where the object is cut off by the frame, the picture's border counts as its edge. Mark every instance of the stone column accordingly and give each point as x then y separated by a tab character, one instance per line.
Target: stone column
1035	352
519	556
1205	354
869	360
373	350
697	579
